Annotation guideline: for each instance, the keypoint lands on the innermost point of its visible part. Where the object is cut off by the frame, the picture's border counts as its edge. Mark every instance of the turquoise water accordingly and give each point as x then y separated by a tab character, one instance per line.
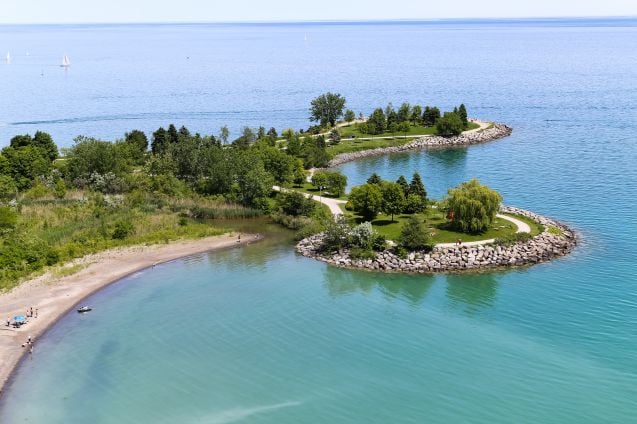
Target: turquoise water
260	335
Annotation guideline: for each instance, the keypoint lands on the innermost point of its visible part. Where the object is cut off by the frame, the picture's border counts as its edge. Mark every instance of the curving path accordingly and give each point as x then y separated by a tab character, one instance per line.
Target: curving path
333	204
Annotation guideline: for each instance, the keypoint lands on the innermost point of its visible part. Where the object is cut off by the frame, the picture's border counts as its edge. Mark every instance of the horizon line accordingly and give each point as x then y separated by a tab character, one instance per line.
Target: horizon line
329	21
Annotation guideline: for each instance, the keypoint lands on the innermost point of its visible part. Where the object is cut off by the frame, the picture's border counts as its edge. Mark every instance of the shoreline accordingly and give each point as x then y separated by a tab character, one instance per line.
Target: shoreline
53	297
488	131
544	247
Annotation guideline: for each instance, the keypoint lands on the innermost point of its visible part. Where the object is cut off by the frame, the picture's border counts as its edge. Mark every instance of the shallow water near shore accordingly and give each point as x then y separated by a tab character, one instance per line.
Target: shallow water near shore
261	335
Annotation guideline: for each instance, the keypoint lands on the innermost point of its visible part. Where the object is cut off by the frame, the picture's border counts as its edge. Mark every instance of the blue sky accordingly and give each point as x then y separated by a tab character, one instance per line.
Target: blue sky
67	11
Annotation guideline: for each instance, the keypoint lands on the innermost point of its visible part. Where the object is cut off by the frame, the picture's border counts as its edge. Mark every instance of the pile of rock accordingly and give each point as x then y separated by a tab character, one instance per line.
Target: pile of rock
556	240
493	132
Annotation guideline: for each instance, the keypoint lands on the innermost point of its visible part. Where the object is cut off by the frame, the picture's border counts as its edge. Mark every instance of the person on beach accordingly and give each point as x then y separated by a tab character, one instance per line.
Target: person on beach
29	340
8	322
239	238
31	311
36	312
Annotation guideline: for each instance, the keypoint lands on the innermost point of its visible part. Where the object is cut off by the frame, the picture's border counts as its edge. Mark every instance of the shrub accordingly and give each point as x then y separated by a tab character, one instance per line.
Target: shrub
336	235
295	204
122	230
361	253
8	218
414	236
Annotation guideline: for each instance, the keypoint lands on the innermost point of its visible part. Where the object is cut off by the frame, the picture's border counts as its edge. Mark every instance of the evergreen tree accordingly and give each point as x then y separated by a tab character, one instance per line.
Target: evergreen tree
160	141
404	112
374	179
430	116
449	124
417	187
402	182
349	115
462	111
184	134
377	122
172	134
416	114
261	133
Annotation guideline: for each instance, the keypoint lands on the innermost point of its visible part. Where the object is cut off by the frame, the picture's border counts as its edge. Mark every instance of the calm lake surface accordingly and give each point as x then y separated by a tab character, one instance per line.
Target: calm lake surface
260	335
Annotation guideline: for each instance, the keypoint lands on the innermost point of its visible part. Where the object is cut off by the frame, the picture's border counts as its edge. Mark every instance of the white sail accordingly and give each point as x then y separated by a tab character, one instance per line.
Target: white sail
8	57
66	62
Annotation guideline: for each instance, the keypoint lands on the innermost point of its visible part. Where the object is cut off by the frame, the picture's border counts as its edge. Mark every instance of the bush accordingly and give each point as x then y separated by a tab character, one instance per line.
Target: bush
122	230
414	236
337	235
295	204
8	218
361	253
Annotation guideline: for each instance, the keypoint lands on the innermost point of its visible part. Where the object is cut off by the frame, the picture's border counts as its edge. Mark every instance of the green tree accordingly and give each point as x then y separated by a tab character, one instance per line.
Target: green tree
430	116
414	204
90	156
261	133
404	112
320	180
377	122
295	147
473	206
295	203
299	173
416	114
393	199
462	112
402	182
367	200
248	137
335	136
414	236
417	187
327	108
336	183
160	141
224	134
278	164
59	189
449	124
45	142
349	115
404	128
138	143
26	164
375	179
172	134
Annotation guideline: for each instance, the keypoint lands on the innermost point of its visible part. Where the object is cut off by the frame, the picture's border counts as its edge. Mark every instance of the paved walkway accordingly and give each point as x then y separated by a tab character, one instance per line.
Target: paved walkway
333	204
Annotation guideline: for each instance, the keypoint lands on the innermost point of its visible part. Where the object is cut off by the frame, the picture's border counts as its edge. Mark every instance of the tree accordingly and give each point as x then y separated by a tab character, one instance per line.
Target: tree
172	135
416	114
449	124
160	141
375	179
327	108
336	183
404	112
278	164
254	184
183	134
45	142
472	206
295	203
272	133
377	122
414	236
417	187
414	204
335	136
462	111
261	133
299	173
367	200
224	133
319	180
349	115
26	164
138	143
248	137
404	128
91	156
393	199
59	190
402	182
430	116
294	147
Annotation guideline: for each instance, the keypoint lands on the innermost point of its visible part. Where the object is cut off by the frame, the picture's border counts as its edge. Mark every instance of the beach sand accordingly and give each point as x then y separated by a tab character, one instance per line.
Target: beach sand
53	297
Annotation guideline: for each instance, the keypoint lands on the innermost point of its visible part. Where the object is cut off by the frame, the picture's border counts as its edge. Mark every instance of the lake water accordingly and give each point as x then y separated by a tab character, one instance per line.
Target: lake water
260	335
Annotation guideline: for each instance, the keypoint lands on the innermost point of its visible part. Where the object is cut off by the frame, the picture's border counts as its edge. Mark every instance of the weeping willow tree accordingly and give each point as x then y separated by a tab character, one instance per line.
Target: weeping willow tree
472	206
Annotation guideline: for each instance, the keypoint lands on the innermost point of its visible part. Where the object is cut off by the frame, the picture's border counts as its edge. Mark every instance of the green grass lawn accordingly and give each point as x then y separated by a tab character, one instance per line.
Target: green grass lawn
438	226
414	130
536	228
356	145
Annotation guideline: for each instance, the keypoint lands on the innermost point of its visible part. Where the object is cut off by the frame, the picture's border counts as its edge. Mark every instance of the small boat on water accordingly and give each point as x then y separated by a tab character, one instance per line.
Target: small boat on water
66	62
84	309
9	58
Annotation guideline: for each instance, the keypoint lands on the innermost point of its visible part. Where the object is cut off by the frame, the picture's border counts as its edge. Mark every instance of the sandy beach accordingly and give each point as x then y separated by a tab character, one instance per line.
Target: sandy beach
53	297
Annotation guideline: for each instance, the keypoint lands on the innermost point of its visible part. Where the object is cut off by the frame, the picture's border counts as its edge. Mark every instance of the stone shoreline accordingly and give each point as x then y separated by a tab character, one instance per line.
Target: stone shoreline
541	248
493	132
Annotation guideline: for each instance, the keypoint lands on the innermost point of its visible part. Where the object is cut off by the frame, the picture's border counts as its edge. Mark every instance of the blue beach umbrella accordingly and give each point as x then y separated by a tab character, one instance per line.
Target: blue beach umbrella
19	318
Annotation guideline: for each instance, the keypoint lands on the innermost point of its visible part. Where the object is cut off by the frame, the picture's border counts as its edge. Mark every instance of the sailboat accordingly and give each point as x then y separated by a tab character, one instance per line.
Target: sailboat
66	62
8	57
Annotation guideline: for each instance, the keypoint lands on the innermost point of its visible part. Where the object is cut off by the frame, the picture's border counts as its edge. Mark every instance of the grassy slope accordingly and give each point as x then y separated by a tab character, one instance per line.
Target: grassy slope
73	228
310	189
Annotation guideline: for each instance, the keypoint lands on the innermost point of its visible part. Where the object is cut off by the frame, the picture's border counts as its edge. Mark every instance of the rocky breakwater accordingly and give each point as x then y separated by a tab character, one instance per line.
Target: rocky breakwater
556	240
492	132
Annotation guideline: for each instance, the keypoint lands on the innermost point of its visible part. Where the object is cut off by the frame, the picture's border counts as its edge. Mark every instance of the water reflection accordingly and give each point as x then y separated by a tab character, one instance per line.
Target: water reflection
412	288
472	293
454	158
